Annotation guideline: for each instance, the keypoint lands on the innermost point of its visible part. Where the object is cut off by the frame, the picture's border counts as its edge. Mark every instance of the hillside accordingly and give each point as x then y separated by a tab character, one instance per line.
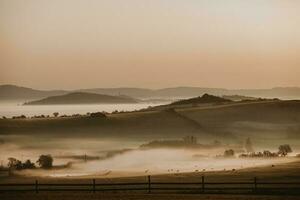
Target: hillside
206	98
265	121
82	98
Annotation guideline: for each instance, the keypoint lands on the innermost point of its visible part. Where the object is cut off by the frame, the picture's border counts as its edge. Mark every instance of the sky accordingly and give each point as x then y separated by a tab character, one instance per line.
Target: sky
72	44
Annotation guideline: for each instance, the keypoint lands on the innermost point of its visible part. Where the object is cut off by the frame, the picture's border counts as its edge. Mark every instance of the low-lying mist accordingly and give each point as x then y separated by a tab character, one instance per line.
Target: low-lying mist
134	162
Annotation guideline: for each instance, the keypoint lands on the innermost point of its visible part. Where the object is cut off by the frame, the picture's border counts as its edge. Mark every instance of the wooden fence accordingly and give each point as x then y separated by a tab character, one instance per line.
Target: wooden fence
149	186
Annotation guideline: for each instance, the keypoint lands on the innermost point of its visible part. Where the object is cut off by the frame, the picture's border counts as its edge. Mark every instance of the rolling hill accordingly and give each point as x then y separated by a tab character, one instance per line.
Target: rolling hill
267	121
206	98
82	98
12	92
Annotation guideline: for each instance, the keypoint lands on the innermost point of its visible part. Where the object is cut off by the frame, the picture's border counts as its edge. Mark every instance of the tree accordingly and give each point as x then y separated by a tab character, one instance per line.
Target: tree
248	146
55	114
229	153
28	165
284	149
45	161
13	163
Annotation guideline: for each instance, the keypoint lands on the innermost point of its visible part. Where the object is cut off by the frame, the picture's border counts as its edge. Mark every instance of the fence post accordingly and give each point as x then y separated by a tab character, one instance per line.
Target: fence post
203	184
36	186
94	185
255	184
149	184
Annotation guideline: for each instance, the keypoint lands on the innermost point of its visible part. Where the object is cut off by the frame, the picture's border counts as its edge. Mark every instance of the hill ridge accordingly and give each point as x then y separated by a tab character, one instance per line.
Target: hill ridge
82	98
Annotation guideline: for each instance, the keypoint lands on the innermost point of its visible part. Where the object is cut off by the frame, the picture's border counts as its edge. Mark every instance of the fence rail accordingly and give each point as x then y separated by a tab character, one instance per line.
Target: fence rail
149	186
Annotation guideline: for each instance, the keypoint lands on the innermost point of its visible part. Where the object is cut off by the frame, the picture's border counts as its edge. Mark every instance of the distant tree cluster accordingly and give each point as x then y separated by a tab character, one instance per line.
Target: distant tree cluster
283	151
264	154
56	114
40	116
97	114
18	165
19	117
44	161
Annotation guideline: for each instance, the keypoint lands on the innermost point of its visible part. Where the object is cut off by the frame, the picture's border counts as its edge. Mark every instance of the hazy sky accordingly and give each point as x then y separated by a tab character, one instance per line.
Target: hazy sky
69	44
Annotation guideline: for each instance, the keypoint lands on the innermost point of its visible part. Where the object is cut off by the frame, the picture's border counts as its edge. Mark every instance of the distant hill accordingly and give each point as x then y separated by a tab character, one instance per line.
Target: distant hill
132	92
206	98
82	98
187	92
11	92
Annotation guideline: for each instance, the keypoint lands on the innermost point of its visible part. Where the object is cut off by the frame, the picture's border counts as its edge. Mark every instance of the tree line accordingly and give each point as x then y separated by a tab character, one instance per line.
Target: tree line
44	162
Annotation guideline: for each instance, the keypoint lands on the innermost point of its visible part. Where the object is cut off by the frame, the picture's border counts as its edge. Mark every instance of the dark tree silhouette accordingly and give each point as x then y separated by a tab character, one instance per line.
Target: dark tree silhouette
28	165
284	149
13	163
16	164
45	161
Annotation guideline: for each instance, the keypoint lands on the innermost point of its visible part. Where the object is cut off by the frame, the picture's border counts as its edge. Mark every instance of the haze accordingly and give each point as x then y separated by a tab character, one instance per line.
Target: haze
68	44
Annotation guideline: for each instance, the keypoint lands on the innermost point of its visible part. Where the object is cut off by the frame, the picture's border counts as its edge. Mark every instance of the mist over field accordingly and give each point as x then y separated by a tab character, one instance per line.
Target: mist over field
16	108
135	162
268	123
139	99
